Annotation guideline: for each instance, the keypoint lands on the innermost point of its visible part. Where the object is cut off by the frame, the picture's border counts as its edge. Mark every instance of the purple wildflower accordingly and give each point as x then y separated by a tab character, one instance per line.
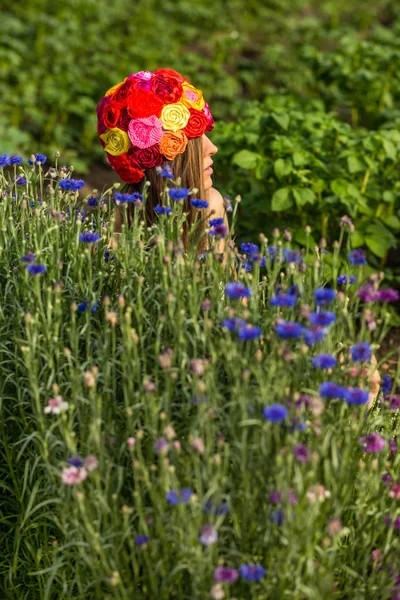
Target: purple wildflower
233	324
29	257
292	256
373	442
283	300
300	451
275	497
393	446
219	231
277	517
176	497
249	248
89	237
312	335
225	575
141	540
388	295
209	535
75	461
386	384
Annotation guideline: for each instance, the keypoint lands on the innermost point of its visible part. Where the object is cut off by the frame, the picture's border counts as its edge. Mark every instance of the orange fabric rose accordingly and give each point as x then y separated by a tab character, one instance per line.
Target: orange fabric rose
173	143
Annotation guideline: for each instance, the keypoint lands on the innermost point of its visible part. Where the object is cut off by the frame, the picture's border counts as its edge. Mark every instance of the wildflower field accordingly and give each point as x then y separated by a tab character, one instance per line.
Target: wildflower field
183	425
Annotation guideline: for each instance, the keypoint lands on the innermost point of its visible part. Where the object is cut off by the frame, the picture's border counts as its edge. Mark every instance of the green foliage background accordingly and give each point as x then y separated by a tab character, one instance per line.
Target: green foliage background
310	88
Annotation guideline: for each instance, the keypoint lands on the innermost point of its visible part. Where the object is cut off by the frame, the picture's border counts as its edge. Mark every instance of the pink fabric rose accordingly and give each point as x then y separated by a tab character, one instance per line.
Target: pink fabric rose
144	133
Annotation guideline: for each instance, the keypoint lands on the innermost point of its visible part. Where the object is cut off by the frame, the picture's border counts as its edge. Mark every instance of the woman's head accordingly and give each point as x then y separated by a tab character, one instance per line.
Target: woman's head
151	119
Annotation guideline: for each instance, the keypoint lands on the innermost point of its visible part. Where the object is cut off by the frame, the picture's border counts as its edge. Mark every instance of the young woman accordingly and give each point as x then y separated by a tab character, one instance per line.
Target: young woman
153	119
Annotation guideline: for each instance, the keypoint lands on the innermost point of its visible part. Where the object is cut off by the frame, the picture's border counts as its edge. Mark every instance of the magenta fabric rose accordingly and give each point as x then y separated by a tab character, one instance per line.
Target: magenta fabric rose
142	79
146	132
100	110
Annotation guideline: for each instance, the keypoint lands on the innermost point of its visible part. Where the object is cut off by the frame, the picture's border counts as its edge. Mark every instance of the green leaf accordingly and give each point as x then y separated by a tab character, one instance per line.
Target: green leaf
388	196
300	237
355	164
357	239
390	149
281	200
299	159
282	119
392	221
378	246
246	159
304	196
282	167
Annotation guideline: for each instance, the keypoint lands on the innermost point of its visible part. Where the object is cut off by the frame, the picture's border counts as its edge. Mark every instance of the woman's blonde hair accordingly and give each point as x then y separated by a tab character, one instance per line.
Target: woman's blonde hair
189	167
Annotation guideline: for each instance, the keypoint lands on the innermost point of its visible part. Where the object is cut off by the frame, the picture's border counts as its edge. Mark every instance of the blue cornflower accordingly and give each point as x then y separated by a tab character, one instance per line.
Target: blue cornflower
357	257
330	389
313	335
356	396
216	509
252	572
219	231
21	180
246	265
249	248
294	290
324	296
94	307
39	158
93	201
29	257
162	210
178	193
386	384
257	258
36	269
75	461
288	329
128	197
15	160
236	290
322	318
166	172
277	517
233	324
249	332
140	540
89	237
352	278
4	160
199	203
176	497
216	222
275	413
292	256
71	185
323	361
82	307
80	214
272	250
361	352
283	300
342	279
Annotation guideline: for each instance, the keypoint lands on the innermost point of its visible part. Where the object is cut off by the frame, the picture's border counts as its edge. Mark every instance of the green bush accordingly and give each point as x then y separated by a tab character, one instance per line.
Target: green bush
296	164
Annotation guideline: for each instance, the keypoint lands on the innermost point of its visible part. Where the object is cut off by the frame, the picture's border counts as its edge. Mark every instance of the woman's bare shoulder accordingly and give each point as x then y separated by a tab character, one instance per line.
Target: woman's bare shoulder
216	202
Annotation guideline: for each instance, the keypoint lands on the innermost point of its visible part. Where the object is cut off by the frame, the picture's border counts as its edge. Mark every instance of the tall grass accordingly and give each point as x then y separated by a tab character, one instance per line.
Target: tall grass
133	410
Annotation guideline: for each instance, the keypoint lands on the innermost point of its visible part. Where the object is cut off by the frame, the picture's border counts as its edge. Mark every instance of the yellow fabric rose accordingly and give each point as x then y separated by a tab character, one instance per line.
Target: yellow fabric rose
114	88
175	116
192	97
117	141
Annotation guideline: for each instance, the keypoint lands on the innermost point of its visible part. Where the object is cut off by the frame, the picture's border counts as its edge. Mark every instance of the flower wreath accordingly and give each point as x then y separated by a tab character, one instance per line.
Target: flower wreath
148	118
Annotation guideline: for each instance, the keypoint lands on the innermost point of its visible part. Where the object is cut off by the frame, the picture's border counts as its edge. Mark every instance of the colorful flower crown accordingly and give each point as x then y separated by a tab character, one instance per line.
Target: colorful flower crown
147	119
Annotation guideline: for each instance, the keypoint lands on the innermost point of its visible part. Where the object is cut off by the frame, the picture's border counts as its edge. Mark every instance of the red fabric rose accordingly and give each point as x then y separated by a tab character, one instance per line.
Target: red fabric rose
167	87
172	73
121	96
111	115
197	123
144	103
101	126
145	158
124	168
124	119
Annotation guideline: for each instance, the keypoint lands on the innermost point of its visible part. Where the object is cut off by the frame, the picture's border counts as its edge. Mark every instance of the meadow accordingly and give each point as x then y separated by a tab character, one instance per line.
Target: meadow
184	425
